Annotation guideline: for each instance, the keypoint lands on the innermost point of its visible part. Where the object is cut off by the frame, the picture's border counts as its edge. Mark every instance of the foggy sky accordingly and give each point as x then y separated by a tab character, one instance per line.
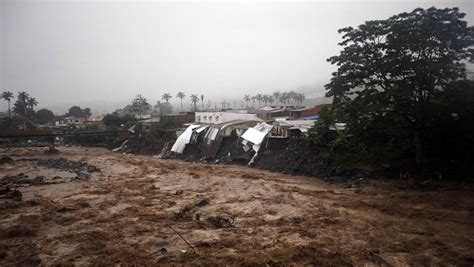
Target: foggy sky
101	54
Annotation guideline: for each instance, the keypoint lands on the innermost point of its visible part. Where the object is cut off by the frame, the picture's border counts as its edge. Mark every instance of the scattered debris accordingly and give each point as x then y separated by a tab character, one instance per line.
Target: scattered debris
14	194
220	221
184	239
83	170
186	212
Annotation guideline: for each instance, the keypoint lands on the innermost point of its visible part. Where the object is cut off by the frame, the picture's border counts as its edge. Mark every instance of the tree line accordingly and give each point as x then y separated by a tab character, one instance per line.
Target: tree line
24	107
283	98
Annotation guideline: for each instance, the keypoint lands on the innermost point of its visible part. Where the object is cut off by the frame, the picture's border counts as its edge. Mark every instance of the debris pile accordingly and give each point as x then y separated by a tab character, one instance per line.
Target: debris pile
64	165
82	170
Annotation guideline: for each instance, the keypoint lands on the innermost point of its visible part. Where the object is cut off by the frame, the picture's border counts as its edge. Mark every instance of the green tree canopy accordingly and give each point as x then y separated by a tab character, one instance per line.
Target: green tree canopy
44	116
140	106
392	76
78	112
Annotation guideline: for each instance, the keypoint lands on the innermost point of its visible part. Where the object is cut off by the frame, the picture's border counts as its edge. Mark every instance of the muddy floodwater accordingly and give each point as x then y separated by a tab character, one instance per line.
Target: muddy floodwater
90	206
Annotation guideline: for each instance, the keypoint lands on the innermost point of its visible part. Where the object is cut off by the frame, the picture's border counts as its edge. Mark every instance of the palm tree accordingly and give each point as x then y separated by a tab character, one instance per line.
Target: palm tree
194	99
270	99
166	97
21	105
300	98
276	95
247	99
7	96
259	99
23	96
292	95
283	98
181	95
202	102
31	103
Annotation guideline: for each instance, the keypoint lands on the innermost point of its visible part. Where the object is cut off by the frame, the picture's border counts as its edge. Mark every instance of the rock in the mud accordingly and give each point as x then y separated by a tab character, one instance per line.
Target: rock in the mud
84	204
162	243
5	159
296	220
38	180
83	175
14	195
201	202
202	244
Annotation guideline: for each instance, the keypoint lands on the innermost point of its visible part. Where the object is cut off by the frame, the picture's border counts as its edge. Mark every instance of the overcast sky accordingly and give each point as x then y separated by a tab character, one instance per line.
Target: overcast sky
101	54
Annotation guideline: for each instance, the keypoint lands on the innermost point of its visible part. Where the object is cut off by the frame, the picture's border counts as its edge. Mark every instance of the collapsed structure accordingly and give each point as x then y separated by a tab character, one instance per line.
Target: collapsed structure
207	139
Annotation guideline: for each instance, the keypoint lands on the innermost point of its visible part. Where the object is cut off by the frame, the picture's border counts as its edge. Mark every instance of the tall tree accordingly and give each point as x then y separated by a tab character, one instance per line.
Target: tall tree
76	111
259	98
181	96
247	99
202	102
395	71
45	116
194	100
140	106
166	97
8	96
87	112
20	107
276	96
292	95
299	98
284	98
31	103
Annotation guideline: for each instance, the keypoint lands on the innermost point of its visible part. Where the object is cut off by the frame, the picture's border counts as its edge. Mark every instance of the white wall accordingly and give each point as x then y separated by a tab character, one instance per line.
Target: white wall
220	117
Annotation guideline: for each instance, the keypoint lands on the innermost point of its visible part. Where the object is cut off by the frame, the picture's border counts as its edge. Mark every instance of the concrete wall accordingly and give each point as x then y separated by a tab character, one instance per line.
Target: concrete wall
221	117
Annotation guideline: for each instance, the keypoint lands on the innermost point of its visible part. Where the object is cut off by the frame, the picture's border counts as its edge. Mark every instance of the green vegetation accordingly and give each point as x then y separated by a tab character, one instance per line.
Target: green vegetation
164	130
44	116
140	106
401	88
113	120
8	96
78	112
283	98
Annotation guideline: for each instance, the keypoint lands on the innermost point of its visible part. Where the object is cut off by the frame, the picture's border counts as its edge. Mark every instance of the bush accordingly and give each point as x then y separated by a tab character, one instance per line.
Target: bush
164	130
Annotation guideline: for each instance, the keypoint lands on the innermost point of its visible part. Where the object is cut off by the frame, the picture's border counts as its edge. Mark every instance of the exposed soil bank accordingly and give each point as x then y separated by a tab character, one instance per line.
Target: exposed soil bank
129	208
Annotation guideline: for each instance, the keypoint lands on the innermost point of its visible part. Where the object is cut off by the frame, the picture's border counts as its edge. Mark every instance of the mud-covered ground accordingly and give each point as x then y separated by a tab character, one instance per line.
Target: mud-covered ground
92	206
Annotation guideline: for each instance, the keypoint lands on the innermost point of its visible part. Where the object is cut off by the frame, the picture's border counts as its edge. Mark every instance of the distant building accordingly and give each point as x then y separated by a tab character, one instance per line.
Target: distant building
181	118
222	117
271	112
71	120
307	113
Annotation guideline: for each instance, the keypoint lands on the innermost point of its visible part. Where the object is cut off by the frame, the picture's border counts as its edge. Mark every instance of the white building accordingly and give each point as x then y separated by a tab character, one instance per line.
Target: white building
222	117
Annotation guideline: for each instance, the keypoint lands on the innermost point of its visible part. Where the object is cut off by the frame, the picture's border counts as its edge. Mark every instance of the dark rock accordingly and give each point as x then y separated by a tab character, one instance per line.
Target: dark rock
82	175
84	204
162	243
6	159
201	202
202	244
220	221
14	195
296	220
